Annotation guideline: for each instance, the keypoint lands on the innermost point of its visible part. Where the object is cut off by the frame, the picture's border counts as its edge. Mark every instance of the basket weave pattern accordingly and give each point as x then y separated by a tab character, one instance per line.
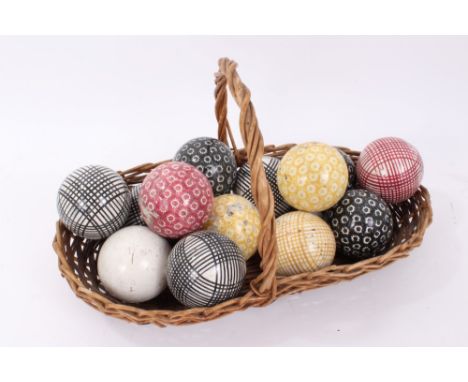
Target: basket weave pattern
78	256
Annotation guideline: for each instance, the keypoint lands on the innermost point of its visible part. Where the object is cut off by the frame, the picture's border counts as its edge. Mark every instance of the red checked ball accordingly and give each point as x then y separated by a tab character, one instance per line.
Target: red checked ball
175	199
391	168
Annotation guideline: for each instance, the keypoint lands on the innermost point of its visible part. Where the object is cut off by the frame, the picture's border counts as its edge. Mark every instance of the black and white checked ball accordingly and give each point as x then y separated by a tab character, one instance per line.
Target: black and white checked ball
204	269
134	215
243	185
362	224
93	202
351	169
214	159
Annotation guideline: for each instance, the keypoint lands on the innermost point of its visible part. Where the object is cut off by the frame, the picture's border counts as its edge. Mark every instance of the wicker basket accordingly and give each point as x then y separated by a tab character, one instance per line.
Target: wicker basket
78	257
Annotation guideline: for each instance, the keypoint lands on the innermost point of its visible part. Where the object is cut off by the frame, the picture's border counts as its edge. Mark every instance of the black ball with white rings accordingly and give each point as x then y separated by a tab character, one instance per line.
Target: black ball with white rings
134	216
93	202
243	186
214	159
362	223
205	268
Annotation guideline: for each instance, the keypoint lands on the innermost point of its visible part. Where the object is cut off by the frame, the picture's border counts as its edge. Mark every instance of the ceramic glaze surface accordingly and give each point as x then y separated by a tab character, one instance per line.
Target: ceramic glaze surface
243	185
214	159
312	177
362	224
238	219
305	243
390	167
93	202
175	199
134	216
351	169
205	269
132	264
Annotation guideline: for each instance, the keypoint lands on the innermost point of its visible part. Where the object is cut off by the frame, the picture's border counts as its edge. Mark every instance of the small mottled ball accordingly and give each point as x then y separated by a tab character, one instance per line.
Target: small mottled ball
93	202
390	167
238	219
243	185
214	159
312	177
132	264
134	216
305	243
351	169
362	224
175	199
205	269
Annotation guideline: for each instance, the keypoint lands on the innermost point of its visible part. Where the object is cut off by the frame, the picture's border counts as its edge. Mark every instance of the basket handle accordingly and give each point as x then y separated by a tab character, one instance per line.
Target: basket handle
265	283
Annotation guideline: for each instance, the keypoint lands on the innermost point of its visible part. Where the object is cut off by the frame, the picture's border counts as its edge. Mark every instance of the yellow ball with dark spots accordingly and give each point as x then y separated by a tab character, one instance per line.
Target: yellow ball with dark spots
312	177
238	219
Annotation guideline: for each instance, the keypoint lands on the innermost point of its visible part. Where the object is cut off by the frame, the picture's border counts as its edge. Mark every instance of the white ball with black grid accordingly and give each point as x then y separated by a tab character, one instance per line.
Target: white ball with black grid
132	264
93	202
362	224
205	268
243	185
214	159
134	216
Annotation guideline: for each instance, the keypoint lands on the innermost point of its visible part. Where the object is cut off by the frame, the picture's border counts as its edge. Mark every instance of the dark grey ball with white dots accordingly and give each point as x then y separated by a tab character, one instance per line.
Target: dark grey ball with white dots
362	224
205	268
93	202
214	159
134	216
243	186
351	169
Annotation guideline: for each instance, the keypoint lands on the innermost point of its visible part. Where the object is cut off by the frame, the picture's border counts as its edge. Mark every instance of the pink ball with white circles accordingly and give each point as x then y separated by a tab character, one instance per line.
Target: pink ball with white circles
391	168
175	199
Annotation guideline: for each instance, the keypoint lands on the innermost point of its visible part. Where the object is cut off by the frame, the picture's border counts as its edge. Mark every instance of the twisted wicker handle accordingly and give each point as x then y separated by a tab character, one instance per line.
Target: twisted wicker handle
265	283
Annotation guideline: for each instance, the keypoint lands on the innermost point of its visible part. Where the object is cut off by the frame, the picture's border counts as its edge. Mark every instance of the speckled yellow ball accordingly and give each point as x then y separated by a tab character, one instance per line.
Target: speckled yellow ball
312	177
238	219
305	243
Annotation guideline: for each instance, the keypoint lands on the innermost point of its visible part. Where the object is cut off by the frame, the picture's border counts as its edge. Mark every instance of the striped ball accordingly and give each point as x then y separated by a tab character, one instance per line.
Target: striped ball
305	243
243	186
134	216
205	269
93	202
391	168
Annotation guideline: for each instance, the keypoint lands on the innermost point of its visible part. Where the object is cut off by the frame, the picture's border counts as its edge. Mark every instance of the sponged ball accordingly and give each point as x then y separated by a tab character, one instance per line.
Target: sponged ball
93	202
362	224
238	219
351	169
305	243
214	159
132	264
134	216
312	177
390	167
175	199
243	185
205	269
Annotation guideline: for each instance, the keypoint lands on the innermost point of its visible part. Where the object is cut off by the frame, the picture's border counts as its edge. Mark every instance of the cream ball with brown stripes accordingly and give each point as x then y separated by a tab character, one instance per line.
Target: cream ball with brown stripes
305	243
312	177
238	219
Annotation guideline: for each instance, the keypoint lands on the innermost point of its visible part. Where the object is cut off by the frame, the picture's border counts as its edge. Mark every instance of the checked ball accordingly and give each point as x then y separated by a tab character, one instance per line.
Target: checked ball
175	199
204	269
214	159
93	202
390	167
362	224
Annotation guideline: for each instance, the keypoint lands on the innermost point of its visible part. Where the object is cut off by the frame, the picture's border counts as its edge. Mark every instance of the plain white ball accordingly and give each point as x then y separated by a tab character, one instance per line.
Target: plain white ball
132	264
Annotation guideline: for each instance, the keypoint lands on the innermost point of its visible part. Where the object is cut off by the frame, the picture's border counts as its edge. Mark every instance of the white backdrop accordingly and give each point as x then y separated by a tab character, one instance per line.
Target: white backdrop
67	102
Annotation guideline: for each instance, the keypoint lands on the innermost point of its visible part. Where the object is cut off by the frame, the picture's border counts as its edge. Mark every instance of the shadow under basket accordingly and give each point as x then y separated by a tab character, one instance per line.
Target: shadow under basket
78	256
